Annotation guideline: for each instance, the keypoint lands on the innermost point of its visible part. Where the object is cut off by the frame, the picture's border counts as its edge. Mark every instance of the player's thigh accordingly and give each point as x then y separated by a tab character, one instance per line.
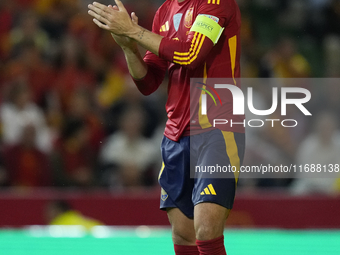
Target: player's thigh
183	231
214	192
209	220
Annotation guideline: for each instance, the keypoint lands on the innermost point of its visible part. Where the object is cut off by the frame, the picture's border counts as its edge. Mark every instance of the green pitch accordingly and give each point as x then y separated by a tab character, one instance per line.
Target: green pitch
155	241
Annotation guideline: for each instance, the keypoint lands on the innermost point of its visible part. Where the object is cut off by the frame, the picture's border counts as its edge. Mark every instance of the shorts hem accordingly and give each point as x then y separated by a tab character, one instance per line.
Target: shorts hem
212	202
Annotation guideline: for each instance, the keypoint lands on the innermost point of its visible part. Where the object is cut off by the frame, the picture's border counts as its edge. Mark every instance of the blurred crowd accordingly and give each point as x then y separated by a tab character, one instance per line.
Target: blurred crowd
294	39
71	116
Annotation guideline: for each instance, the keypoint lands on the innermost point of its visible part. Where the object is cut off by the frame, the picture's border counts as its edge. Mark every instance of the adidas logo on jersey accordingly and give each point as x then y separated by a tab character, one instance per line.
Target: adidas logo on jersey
165	27
209	190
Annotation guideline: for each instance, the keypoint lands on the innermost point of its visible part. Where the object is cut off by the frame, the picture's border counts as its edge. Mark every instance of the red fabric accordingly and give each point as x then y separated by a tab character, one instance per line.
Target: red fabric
186	250
152	79
212	247
215	61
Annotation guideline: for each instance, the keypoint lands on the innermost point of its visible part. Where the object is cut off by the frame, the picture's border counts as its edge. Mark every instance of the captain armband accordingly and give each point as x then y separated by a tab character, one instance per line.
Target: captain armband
208	27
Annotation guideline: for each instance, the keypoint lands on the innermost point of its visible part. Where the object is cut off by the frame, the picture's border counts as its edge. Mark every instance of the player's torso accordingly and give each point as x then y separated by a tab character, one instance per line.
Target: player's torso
176	18
175	21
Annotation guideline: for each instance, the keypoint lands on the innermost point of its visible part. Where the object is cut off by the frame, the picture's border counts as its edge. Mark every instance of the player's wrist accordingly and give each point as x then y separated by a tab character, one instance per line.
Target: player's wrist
131	49
136	32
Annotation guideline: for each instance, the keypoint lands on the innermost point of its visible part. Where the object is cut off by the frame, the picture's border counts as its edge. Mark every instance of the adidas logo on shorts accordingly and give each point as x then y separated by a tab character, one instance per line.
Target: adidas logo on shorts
209	190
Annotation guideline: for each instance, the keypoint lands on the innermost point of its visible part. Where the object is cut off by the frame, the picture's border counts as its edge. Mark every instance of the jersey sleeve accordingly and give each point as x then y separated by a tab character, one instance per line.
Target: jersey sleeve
193	51
156	67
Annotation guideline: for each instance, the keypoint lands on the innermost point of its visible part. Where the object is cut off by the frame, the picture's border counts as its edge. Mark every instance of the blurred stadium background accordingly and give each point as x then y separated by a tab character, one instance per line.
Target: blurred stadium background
77	139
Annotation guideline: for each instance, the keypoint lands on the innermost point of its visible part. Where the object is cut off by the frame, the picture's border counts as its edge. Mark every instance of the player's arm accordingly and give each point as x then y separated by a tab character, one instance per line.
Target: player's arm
137	67
135	63
202	37
147	73
190	53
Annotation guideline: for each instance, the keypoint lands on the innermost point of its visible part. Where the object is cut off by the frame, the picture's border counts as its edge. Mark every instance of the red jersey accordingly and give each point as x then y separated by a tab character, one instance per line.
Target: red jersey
187	54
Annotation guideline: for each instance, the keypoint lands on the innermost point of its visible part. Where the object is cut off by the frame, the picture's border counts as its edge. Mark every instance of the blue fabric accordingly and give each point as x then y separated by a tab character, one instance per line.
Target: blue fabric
180	158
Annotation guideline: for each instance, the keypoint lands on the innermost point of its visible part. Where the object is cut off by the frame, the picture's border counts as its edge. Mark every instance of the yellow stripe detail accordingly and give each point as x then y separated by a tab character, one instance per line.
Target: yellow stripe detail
206	191
203	119
198	50
209	1
205	75
192	48
232	152
163	28
181	53
192	52
192	45
161	171
167	26
232	48
202	193
194	57
218	1
212	190
213	1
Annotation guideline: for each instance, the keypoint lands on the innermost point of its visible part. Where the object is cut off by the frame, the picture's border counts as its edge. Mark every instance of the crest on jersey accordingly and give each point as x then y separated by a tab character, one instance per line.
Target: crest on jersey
177	20
188	17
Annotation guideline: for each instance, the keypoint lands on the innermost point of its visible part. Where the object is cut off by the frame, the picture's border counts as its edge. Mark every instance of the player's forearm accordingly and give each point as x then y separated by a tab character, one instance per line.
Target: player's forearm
146	39
137	67
147	78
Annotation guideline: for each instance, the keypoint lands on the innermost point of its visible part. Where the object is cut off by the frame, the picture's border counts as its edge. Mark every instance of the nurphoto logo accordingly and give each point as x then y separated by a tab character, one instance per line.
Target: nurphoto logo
239	104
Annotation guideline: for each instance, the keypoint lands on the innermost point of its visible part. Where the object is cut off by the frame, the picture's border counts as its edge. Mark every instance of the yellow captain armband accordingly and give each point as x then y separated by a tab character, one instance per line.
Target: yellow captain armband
208	27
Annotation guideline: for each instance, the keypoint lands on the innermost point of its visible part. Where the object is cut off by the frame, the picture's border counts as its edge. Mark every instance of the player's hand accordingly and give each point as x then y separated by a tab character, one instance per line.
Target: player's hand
116	20
123	41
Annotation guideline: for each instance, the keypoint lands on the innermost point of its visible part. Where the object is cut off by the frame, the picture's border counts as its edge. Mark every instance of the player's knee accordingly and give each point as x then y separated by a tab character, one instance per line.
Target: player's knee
208	229
183	231
207	232
209	221
183	236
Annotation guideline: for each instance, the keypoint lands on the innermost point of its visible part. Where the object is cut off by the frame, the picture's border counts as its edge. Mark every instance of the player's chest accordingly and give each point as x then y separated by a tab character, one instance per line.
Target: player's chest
176	23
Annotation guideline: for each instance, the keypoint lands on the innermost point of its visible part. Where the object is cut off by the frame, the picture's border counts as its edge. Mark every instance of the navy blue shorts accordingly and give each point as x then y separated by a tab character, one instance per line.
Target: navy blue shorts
200	168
